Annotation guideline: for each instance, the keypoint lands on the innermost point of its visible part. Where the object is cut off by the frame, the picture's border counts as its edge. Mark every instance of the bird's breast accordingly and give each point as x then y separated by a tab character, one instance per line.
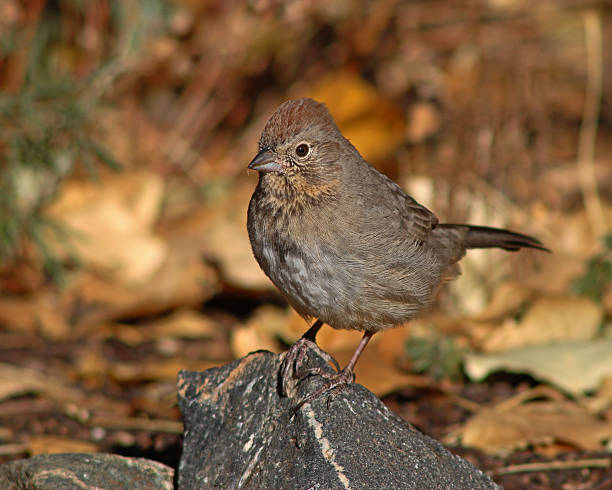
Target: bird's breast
342	272
292	250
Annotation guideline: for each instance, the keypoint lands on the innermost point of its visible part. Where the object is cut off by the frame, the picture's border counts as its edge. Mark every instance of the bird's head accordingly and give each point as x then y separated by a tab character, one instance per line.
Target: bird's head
301	148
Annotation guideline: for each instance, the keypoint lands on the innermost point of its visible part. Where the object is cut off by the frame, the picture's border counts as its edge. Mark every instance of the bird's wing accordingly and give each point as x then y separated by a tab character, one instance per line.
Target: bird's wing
418	220
389	210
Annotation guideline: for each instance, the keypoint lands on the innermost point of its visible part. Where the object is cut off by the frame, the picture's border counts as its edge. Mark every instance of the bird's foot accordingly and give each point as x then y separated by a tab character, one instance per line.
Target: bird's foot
336	382
294	360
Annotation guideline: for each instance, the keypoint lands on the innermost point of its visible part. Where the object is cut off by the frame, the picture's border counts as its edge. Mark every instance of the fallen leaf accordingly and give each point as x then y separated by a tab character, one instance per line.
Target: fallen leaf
575	367
423	121
333	340
154	369
183	280
549	319
218	232
391	344
371	122
248	339
262	331
15	381
183	323
507	299
535	423
110	225
44	311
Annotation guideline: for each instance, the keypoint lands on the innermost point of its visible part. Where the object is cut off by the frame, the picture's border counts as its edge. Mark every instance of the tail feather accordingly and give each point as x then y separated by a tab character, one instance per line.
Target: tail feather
486	237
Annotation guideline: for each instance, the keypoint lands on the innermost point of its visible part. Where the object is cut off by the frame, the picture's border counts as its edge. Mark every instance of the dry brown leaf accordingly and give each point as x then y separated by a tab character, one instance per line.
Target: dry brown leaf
295	327
332	340
6	434
94	368
183	280
423	121
228	242
218	231
97	404
265	325
110	225
248	339
564	177
378	367
183	323
573	317
572	241
507	300
155	369
605	389
539	422
549	319
373	124
575	367
270	323
470	290
89	364
10	388
391	344
15	381
44	311
133	423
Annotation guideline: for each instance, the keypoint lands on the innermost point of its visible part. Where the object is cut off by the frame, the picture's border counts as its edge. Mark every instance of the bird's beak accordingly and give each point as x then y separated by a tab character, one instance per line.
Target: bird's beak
265	161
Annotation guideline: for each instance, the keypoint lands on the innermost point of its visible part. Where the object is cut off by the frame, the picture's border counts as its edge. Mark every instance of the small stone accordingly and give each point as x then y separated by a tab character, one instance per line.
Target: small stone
85	471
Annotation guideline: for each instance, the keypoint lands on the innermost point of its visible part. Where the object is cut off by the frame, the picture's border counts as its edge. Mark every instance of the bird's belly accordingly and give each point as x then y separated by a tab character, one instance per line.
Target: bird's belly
337	290
311	286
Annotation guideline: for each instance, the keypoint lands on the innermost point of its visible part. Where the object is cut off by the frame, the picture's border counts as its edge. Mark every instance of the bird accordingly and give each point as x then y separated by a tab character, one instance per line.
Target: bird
343	243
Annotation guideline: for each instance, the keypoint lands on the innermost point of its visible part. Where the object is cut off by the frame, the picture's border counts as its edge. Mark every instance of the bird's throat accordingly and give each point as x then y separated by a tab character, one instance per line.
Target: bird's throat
299	190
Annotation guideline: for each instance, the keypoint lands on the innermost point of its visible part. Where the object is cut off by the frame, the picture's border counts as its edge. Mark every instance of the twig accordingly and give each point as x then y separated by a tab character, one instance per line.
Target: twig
522	397
588	127
553	465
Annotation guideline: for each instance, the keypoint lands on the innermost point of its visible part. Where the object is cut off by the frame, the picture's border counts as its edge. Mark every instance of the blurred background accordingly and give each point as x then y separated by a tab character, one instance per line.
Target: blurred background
125	132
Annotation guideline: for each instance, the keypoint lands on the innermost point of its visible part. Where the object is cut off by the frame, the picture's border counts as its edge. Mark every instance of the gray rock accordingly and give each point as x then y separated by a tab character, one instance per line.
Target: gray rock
83	471
240	434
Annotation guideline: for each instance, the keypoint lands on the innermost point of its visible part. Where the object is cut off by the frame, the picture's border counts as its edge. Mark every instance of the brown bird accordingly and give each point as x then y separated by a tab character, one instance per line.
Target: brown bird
344	243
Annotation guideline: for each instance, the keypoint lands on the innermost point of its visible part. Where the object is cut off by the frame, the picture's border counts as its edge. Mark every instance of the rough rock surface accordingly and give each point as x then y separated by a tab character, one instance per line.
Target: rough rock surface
240	434
85	471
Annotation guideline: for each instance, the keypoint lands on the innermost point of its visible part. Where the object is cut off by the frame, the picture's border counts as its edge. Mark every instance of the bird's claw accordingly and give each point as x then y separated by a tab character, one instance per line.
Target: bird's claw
335	384
294	360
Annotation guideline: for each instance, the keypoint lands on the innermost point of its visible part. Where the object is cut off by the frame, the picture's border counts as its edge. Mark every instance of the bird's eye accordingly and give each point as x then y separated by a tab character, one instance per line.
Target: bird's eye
302	150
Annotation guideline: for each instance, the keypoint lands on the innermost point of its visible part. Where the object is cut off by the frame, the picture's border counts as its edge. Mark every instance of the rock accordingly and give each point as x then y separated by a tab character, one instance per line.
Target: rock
83	470
240	434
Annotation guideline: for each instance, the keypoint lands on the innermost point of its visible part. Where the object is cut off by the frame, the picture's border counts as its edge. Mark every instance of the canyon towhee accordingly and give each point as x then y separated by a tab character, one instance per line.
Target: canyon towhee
343	243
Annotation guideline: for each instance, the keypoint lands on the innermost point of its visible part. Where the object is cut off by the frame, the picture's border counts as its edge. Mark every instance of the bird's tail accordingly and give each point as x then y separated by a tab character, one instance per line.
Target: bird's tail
485	237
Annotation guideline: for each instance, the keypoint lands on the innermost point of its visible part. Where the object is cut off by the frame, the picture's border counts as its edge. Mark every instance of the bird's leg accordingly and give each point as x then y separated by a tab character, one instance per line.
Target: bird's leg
294	358
336	381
